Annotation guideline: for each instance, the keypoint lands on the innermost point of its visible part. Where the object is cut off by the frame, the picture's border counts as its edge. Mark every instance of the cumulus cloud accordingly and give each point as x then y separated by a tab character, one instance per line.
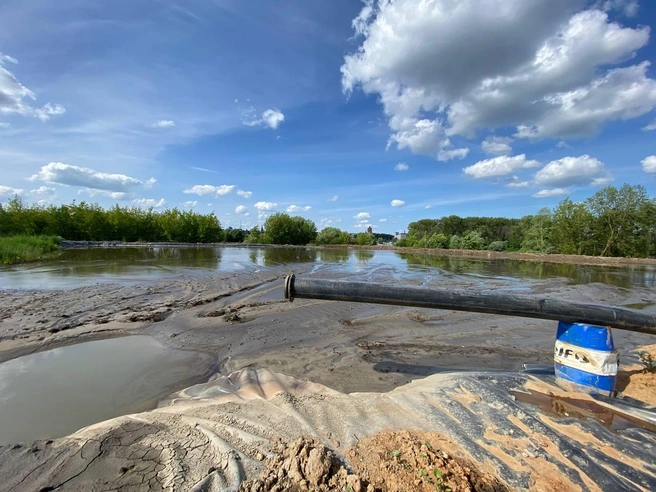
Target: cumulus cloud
627	7
447	155
8	191
205	190
362	216
42	191
270	117
333	198
296	208
245	194
149	202
548	68
573	171
15	97
397	203
382	220
114	195
190	203
265	206
552	192
651	126
401	166
163	124
497	145
649	164
499	166
68	175
241	210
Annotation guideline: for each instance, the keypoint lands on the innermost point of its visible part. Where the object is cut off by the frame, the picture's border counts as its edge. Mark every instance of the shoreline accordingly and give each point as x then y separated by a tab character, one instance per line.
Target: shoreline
456	253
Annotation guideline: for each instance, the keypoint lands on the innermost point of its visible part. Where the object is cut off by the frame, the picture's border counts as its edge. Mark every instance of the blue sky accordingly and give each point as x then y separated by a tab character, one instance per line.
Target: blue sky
349	113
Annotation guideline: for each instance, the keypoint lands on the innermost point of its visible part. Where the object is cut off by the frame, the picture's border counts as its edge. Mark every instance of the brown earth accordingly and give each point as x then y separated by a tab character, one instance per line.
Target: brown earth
390	461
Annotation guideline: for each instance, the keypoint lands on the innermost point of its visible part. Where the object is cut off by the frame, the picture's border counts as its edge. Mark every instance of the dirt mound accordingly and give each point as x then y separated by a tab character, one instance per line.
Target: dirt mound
386	462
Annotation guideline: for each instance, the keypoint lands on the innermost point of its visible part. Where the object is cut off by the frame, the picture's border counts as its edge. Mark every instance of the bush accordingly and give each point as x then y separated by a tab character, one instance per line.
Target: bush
332	235
455	242
407	242
438	241
283	229
497	246
365	239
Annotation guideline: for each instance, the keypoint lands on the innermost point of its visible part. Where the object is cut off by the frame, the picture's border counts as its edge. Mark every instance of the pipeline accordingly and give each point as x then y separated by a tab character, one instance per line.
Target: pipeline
480	302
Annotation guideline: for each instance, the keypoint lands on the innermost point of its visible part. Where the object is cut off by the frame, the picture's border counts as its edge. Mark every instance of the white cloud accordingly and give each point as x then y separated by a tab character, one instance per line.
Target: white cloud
401	166
4	124
649	164
296	208
114	195
428	207
497	145
265	206
397	203
552	192
650	126
362	216
627	7
245	194
516	183
205	170
42	191
382	220
572	171
8	191
15	97
241	210
444	68
333	198
163	124
68	175
499	166
190	203
447	155
149	202
205	190
270	117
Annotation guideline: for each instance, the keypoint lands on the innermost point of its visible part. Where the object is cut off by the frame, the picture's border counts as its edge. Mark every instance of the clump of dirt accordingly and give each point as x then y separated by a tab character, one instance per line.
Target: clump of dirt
302	466
418	461
636	381
386	462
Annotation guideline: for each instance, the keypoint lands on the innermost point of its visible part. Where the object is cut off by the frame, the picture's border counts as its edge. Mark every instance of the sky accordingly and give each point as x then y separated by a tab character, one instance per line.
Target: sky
348	113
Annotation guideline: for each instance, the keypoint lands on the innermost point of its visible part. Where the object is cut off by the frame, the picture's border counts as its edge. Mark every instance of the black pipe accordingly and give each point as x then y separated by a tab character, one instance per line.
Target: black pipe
480	302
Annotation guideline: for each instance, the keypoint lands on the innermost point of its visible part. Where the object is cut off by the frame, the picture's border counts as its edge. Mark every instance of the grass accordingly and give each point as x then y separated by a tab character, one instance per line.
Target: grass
21	249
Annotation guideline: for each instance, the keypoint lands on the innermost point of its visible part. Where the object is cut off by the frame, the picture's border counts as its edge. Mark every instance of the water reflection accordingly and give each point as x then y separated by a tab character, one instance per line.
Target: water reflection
363	256
628	276
272	257
333	255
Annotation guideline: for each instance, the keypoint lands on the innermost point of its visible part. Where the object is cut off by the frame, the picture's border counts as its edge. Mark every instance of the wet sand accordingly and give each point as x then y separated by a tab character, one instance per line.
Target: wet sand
241	319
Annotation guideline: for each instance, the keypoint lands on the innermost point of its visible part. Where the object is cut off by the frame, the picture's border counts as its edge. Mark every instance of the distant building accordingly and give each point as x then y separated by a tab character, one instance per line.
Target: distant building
370	230
400	235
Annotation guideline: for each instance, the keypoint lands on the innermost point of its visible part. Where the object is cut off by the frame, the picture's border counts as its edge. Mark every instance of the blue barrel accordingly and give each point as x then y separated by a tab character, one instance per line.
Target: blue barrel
585	358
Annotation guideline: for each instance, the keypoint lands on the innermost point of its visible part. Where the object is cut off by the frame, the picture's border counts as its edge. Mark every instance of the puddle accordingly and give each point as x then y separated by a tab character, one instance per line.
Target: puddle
51	394
556	407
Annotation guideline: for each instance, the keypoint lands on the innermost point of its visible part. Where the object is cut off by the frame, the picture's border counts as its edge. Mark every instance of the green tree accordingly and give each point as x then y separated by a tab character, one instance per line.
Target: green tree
283	229
365	239
332	235
622	228
537	234
571	233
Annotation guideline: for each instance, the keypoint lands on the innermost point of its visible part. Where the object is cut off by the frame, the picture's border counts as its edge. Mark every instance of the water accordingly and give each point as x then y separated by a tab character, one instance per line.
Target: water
75	268
51	394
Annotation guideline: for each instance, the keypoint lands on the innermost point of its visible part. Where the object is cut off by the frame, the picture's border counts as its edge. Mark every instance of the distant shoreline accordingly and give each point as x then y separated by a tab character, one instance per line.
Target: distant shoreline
456	253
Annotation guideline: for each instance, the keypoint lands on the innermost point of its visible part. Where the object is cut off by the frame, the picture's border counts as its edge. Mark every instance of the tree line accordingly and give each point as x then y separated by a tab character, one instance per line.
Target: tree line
613	222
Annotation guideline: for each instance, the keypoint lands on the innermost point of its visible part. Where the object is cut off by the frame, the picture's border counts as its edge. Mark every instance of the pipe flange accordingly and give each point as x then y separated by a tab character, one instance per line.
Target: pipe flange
289	285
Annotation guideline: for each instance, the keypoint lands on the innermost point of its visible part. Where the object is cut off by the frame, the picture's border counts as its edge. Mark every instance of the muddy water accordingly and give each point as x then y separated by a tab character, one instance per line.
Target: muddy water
75	268
51	394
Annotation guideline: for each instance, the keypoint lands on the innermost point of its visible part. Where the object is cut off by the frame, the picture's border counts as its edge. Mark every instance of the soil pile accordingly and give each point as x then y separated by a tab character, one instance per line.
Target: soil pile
385	462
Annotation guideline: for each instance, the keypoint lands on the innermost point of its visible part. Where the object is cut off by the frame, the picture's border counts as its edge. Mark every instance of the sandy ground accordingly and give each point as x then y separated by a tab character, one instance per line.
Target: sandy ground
345	348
